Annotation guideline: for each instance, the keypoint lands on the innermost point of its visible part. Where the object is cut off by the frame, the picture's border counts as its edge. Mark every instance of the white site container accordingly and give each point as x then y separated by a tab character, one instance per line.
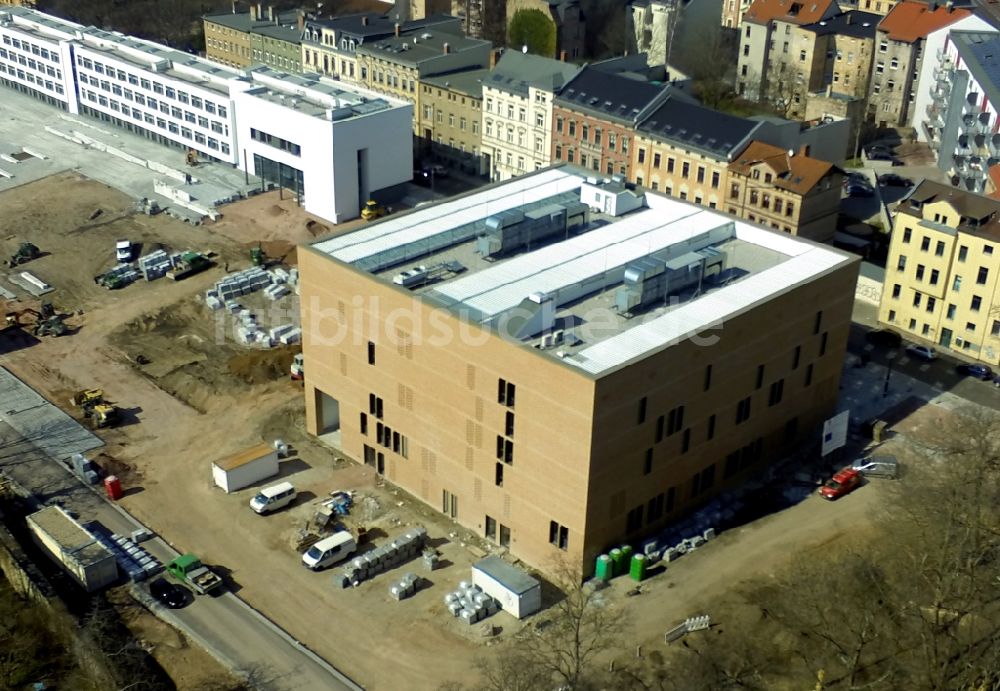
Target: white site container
517	593
245	468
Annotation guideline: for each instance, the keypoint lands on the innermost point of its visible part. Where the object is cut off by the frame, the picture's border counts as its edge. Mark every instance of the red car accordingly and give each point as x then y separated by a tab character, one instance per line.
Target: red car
840	484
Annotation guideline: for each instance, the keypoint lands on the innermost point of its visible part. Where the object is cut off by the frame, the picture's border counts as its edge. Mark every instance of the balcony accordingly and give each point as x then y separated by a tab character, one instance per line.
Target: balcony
969	124
994	144
942	73
944	58
941	90
962	148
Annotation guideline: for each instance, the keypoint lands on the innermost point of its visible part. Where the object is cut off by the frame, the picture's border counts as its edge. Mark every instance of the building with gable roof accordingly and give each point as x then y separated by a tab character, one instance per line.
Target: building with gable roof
765	38
595	115
942	277
261	36
899	54
518	97
785	190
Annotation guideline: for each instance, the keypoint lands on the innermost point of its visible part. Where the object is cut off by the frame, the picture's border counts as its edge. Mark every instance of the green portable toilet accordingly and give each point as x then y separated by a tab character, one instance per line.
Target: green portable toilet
637	570
605	568
626	558
616	562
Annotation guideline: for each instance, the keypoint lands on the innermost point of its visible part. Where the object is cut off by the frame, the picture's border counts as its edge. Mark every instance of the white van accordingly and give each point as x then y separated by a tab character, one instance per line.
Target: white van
330	550
273	498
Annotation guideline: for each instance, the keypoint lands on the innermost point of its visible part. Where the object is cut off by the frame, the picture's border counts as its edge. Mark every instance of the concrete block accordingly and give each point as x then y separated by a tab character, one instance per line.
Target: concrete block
708	534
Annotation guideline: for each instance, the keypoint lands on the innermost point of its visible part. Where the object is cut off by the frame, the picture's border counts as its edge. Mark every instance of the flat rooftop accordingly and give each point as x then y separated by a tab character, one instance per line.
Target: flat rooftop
315	95
572	293
69	535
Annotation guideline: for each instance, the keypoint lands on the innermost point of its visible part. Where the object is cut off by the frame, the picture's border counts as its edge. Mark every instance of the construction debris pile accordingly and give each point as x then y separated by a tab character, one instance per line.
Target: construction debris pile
132	559
368	565
470	603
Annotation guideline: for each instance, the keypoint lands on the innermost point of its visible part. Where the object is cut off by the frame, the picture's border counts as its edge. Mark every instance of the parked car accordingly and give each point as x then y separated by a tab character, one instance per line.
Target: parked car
922	352
879	149
859	191
856	179
877	466
123	251
439	171
981	372
847	480
422	177
884	156
893	180
884	337
170	594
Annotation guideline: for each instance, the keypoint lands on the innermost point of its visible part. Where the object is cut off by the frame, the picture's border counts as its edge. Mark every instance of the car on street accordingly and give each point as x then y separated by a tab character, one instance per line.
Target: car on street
856	179
170	594
884	337
422	177
883	157
859	191
844	482
921	352
981	372
893	180
877	466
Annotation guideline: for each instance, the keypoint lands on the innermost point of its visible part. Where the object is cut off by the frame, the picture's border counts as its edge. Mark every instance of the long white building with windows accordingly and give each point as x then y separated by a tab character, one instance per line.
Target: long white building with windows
334	146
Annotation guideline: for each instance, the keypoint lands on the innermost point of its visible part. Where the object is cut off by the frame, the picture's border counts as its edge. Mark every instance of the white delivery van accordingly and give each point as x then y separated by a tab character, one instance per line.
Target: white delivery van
123	251
273	498
330	550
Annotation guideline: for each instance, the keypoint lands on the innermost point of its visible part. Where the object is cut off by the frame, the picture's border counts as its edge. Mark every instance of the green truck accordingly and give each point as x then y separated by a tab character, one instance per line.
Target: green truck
188	568
189	264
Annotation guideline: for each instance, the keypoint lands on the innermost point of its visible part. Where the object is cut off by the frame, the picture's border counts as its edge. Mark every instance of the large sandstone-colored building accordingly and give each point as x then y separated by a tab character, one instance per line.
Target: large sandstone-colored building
941	277
539	396
262	36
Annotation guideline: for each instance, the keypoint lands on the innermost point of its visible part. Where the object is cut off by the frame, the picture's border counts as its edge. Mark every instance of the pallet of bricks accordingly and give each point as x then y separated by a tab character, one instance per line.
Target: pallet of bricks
156	265
470	604
368	565
134	560
237	285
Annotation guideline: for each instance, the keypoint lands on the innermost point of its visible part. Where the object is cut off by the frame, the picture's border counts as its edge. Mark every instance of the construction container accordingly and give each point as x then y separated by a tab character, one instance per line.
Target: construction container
637	569
514	590
616	562
113	486
605	568
245	468
90	563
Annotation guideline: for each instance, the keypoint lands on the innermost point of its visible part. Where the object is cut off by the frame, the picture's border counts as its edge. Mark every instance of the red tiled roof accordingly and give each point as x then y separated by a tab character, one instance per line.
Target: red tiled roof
794	11
910	21
798	173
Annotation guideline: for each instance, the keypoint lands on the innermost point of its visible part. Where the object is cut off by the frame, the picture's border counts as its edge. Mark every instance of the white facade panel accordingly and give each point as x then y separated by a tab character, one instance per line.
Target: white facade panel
37	60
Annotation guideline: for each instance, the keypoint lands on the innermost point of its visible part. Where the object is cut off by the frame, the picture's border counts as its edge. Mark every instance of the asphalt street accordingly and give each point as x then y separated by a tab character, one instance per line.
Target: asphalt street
228	628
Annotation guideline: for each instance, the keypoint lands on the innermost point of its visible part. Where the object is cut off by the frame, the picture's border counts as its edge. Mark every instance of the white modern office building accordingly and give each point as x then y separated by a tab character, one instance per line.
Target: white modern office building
332	145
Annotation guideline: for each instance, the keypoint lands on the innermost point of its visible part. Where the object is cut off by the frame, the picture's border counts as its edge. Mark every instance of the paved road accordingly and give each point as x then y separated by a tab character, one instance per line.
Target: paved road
230	630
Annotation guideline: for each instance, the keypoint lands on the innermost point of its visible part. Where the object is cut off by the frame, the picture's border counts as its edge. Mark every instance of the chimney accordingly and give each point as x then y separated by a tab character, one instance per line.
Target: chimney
270	13
234	6
949	6
302	20
253	13
364	20
447	48
829	90
849	17
804	150
494	56
562	56
397	29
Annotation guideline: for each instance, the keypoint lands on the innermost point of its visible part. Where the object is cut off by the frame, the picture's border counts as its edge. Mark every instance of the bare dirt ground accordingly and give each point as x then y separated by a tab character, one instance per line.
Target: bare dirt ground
201	397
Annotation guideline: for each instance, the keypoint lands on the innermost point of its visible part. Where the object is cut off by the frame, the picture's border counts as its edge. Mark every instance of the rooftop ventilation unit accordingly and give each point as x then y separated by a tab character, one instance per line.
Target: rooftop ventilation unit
513	230
650	280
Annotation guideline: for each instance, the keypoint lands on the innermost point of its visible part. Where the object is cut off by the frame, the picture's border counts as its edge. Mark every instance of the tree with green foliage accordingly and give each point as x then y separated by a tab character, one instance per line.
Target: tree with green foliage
533	29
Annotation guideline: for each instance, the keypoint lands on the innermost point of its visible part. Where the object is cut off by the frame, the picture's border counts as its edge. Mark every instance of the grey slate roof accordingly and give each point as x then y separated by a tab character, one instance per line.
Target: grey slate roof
372	24
694	126
980	51
415	47
610	95
468	82
516	71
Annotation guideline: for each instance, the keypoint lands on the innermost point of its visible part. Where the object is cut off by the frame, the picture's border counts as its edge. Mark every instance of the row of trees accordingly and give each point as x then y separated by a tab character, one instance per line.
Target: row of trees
913	603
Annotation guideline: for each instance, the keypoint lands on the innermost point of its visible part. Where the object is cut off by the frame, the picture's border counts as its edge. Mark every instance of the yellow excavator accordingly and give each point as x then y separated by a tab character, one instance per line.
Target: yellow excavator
100	412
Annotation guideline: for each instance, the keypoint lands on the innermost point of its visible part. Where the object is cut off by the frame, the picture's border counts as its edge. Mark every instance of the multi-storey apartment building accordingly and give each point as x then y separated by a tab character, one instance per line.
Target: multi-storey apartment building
517	112
277	126
595	114
451	115
961	121
925	83
765	40
683	150
262	36
516	401
785	190
396	65
329	46
899	55
941	279
649	27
